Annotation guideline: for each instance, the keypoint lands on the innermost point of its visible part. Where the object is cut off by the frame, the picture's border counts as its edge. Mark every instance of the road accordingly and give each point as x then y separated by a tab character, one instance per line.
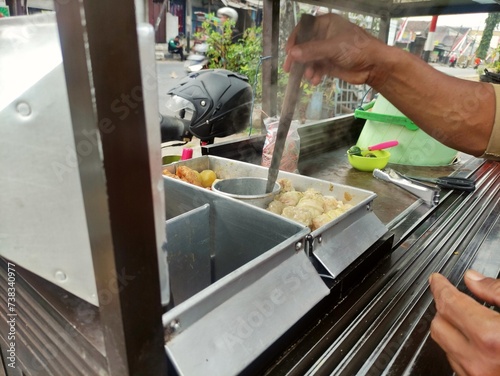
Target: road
170	72
457	72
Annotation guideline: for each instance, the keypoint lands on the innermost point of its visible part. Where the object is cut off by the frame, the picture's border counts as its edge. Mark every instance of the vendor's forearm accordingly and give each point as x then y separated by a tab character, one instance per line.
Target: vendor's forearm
457	112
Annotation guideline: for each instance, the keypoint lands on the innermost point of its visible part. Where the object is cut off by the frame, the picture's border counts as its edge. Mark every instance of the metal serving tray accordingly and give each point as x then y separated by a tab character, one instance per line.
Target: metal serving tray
239	280
335	245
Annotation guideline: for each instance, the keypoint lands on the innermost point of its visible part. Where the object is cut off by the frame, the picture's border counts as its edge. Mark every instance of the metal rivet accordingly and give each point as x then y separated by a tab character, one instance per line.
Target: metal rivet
174	325
203	103
320	239
23	109
61	276
298	246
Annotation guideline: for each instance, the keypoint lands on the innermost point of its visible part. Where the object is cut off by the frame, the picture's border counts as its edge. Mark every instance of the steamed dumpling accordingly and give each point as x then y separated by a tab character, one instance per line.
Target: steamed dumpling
314	205
300	215
290	198
286	185
276	206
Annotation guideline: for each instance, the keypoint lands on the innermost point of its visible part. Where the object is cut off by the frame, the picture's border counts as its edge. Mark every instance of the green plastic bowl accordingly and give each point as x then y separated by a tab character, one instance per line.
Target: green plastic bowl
369	163
167	159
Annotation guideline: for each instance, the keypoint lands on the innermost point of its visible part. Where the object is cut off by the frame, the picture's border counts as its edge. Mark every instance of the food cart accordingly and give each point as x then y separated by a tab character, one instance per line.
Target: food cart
114	269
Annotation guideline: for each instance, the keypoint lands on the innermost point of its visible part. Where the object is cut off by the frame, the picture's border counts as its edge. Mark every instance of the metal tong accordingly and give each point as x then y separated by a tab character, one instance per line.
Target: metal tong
429	195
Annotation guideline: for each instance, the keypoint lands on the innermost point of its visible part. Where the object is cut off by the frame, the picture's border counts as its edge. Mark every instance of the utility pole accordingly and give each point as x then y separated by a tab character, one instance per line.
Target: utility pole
429	43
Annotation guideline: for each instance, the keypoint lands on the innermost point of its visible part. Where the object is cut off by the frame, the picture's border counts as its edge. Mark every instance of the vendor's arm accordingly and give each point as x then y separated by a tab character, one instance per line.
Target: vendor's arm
467	331
459	113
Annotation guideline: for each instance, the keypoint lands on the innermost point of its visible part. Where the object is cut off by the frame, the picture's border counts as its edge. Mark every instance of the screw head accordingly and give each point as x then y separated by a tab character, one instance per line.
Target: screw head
60	276
174	325
23	109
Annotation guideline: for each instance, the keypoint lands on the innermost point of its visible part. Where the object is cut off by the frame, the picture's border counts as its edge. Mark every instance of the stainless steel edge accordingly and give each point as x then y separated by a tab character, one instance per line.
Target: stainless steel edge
276	291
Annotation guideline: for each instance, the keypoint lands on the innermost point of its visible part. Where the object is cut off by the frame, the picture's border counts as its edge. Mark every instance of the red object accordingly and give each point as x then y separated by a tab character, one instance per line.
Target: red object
187	153
433	24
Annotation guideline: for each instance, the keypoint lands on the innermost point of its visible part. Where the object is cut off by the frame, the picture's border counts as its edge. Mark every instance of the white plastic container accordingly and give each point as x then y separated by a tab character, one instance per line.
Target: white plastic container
416	148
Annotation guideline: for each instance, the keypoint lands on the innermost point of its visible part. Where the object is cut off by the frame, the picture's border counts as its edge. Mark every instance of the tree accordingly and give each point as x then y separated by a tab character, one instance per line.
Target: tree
241	57
491	23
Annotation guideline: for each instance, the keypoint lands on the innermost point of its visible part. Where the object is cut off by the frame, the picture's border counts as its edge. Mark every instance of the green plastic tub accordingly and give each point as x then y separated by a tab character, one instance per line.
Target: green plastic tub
385	122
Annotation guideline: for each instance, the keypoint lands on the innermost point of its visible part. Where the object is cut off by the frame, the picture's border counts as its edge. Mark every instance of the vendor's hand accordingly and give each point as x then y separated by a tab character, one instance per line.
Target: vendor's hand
467	331
340	49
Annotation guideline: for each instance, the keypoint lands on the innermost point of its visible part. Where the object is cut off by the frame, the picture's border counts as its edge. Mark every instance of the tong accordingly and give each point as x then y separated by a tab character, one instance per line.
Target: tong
428	194
448	182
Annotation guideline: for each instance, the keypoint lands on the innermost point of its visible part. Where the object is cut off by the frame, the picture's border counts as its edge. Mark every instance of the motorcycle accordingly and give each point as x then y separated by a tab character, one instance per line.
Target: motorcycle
477	63
197	60
206	104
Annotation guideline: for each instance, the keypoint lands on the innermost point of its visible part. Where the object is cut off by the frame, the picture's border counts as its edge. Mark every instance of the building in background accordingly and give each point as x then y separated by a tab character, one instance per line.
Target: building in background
448	40
169	17
186	16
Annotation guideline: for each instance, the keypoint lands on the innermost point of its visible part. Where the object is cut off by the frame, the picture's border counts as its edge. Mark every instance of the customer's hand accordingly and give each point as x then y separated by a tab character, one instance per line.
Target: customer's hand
338	48
467	331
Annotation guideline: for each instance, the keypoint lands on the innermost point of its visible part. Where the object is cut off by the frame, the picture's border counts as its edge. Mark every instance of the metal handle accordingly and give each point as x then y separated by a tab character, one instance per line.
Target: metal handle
292	94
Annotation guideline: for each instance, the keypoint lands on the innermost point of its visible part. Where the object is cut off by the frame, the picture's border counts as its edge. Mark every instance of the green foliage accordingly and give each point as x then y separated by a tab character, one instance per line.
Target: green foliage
369	23
491	23
307	90
494	65
241	57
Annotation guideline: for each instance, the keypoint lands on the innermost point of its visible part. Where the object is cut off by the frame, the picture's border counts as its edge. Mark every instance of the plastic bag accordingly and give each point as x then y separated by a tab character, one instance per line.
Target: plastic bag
290	158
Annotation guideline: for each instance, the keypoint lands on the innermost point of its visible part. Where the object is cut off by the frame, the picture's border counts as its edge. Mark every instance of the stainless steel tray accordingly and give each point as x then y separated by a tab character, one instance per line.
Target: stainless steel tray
239	280
335	245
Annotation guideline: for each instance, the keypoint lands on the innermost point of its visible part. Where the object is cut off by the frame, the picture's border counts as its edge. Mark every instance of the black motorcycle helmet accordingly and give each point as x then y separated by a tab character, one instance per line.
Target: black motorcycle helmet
207	104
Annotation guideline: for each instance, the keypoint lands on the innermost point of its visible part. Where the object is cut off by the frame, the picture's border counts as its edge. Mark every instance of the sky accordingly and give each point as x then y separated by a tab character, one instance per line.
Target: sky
473	21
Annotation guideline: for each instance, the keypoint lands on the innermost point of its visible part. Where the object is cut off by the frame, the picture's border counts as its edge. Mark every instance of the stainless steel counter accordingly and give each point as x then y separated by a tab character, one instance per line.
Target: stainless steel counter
392	201
381	326
374	320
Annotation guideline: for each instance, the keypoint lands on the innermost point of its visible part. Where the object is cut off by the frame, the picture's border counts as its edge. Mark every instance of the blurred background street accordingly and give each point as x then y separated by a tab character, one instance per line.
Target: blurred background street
170	72
468	73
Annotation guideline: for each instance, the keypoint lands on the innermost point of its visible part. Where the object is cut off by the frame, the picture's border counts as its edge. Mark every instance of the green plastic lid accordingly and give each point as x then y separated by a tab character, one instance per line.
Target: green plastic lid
363	113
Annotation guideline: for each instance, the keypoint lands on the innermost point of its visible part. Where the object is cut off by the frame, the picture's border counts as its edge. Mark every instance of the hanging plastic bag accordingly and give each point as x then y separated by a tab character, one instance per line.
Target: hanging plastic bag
290	158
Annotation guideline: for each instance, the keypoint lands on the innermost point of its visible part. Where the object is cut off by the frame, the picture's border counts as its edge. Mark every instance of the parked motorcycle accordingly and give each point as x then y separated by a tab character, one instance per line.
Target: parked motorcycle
207	104
477	62
197	59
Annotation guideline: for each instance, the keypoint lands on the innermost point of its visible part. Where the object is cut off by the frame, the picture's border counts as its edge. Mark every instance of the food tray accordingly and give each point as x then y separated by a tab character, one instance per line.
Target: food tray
239	280
332	244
